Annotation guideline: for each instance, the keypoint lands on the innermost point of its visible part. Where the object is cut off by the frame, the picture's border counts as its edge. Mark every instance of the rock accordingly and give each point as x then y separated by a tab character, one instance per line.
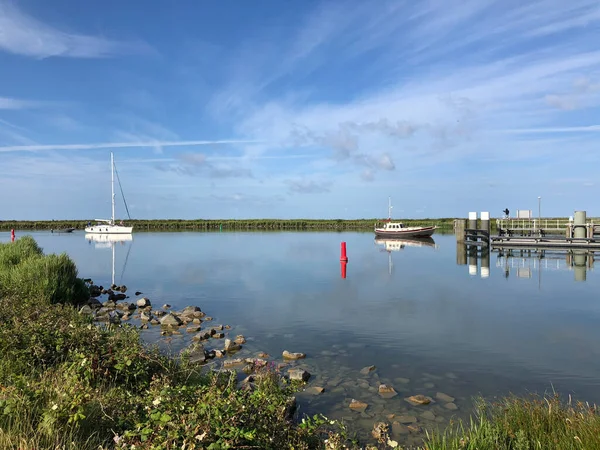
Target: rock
231	346
218	335
190	310
428	415
367	370
94	303
398	429
263	355
406	419
143	302
155	322
290	355
414	428
166	306
419	400
298	374
314	390
380	431
109	304
170	320
138	293
429	385
451	406
113	286
207	318
444	397
196	321
386	391
159	313
86	310
126	306
228	327
358	406
145	316
217	327
219	354
239	339
122	288
126	317
193	329
402	380
233	362
117	297
144	326
199	315
197	354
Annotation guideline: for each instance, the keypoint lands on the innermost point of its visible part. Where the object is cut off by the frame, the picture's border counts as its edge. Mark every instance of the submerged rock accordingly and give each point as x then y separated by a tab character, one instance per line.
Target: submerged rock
419	400
358	406
406	419
290	355
386	391
451	406
444	397
193	329
166	306
197	354
138	293
314	390
367	370
428	415
399	429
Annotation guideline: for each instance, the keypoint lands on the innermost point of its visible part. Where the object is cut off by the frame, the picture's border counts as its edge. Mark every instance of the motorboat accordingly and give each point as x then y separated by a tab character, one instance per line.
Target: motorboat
399	229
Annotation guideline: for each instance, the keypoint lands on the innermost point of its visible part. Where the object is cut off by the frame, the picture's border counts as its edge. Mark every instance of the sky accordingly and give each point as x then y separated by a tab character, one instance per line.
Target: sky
307	109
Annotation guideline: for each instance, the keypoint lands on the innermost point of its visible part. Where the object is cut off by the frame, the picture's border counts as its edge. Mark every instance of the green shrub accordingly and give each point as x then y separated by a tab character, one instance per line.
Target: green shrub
13	253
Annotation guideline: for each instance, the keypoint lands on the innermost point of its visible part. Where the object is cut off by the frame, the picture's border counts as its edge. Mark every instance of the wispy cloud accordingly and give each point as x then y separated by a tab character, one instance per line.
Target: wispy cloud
14	103
23	34
199	163
108	145
308	186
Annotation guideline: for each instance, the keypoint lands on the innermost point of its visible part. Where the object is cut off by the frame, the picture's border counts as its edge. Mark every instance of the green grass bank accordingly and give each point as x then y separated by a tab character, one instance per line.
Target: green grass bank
69	383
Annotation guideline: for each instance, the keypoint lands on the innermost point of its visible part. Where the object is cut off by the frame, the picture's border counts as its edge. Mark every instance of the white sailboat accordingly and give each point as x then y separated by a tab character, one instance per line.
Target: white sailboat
110	241
108	226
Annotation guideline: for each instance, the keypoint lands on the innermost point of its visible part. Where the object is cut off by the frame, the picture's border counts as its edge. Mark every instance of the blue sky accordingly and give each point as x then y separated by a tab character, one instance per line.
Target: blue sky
299	109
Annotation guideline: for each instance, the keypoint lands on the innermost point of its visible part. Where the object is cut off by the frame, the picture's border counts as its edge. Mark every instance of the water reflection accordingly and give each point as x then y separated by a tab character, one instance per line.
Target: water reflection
105	241
475	256
395	245
526	262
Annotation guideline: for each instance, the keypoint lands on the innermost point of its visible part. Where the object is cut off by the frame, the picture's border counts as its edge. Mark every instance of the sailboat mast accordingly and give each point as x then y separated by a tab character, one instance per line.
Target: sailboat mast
112	185
389	209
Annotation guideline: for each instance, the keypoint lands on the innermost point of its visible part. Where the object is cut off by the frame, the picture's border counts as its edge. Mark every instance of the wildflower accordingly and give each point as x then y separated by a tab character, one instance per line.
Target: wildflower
54	407
156	402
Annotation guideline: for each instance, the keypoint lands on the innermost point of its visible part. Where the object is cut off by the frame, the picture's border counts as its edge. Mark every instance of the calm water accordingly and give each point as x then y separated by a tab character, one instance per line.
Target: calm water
416	313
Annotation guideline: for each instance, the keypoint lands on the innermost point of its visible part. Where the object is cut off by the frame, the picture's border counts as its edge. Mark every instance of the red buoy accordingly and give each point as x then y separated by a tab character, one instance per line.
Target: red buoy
12	235
343	268
343	256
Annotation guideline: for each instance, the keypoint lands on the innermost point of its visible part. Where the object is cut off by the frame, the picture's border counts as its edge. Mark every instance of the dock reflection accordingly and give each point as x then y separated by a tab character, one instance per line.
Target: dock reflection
476	257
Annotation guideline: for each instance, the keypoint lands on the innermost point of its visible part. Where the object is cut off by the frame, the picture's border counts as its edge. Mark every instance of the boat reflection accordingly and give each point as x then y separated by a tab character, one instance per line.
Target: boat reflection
110	241
395	245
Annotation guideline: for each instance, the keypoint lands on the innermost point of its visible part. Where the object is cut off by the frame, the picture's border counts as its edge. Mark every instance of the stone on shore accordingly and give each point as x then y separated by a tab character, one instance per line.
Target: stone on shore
143	302
193	329
239	339
231	346
367	370
170	320
197	354
298	374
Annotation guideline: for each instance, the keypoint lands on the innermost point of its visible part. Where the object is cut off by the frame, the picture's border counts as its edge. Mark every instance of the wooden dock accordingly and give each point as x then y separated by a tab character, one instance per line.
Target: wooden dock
537	242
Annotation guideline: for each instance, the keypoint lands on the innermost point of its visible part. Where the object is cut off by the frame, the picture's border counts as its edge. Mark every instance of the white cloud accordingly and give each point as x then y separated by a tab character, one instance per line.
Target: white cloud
14	103
24	35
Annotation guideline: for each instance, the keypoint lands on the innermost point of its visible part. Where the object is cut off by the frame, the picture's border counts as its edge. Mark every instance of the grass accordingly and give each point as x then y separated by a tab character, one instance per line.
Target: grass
230	224
524	423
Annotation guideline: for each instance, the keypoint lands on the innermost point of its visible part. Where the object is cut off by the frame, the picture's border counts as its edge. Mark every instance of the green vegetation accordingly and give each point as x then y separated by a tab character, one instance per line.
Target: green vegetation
515	423
229	224
66	383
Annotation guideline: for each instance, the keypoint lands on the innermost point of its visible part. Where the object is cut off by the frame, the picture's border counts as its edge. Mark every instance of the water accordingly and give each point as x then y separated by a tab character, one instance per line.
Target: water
413	312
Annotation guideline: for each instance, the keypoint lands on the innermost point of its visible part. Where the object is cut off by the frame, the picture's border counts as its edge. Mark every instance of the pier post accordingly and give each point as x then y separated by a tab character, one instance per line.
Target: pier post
459	229
485	223
473	220
579	224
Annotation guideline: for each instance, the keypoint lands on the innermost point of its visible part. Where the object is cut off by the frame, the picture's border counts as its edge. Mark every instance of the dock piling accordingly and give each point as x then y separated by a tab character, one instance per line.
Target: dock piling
579	225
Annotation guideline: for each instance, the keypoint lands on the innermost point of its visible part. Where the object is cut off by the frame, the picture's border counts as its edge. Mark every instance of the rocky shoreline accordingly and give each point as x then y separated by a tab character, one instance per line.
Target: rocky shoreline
376	409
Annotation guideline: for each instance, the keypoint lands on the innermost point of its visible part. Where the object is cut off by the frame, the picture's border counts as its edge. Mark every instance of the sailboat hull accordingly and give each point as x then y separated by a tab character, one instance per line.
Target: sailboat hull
109	229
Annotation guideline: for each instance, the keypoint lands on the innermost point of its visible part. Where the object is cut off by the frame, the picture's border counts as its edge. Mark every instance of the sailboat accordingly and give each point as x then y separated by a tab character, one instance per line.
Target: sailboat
108	226
110	241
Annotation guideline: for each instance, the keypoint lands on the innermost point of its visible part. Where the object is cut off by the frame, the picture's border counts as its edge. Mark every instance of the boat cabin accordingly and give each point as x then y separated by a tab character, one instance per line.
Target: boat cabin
393	226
